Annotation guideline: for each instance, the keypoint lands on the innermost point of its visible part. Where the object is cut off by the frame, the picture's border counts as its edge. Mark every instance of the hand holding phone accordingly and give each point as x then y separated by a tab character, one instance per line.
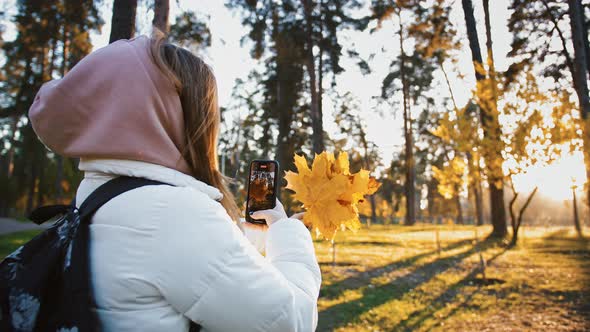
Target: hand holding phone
262	188
270	216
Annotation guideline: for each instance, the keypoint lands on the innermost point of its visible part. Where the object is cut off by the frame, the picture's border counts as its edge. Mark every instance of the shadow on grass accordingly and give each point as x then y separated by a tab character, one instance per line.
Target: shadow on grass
561	234
417	318
560	242
416	229
578	301
578	249
343	313
370	243
336	289
339	264
430	228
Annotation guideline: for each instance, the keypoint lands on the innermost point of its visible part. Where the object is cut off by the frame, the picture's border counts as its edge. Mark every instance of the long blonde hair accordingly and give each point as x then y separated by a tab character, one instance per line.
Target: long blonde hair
197	88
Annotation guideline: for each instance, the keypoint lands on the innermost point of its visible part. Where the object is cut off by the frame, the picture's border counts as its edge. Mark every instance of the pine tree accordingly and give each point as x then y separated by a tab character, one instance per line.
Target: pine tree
412	72
545	22
316	117
487	100
190	31
123	20
284	36
161	15
363	153
52	36
580	75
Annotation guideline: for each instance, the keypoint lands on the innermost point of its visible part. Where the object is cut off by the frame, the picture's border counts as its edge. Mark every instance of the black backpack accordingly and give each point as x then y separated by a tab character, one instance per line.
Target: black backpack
45	284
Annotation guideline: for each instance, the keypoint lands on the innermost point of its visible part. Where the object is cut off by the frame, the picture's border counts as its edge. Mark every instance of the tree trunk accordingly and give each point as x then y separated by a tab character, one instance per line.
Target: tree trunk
4	195
516	223
555	20
479	197
32	181
19	105
41	175
577	223
497	176
585	27
284	149
431	197
161	14
316	116
513	217
123	20
489	120
451	94
460	220
283	122
472	36
11	150
474	170
498	212
478	202
368	166
320	68
373	219
409	186
580	79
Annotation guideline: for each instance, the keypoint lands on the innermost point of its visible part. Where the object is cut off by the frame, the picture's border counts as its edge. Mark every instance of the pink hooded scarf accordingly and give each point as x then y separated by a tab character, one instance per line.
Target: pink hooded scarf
114	104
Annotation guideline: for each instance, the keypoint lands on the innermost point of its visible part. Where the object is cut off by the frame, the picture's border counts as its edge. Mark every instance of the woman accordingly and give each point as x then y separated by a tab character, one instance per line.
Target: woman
164	255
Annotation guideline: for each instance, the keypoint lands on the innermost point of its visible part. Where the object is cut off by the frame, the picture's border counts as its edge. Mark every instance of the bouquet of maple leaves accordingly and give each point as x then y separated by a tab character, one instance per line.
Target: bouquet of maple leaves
329	193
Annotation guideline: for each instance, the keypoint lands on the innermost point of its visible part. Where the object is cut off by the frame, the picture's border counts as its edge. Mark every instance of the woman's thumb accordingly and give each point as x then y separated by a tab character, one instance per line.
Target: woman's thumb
262	214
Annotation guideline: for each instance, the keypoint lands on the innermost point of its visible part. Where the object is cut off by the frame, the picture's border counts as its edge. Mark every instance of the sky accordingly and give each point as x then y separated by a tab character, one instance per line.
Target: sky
231	60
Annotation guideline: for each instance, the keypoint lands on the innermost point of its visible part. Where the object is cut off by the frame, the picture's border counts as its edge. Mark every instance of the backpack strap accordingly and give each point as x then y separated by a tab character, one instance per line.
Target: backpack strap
110	190
81	282
47	212
94	201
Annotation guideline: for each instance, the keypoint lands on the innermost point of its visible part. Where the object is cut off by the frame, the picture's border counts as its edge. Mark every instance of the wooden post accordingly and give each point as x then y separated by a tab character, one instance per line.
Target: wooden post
438	250
333	253
482	261
577	223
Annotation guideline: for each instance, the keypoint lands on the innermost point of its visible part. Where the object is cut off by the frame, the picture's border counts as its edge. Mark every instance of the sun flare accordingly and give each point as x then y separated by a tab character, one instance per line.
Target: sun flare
555	181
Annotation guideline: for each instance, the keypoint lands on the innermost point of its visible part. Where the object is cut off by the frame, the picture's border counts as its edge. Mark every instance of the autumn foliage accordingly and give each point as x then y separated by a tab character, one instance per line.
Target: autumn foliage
330	193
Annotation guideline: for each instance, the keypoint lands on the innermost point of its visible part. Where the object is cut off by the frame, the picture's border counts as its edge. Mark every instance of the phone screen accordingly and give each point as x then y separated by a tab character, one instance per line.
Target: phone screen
261	187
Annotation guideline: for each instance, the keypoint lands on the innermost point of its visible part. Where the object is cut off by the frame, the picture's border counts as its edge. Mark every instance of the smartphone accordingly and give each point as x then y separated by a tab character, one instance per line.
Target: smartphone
262	187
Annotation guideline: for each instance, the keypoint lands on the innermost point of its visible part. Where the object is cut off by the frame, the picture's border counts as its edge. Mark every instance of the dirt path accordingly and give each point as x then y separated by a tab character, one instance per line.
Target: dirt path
8	226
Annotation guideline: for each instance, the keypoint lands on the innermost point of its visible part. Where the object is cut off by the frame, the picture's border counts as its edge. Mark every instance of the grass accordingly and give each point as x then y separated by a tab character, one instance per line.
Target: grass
10	242
394	278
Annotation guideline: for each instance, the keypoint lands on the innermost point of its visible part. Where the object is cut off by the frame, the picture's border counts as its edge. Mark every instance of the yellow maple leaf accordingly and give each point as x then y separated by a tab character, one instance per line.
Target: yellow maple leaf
374	185
329	192
341	165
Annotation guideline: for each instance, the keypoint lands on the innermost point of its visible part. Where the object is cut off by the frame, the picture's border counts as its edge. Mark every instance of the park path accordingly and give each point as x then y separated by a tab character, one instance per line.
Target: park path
8	225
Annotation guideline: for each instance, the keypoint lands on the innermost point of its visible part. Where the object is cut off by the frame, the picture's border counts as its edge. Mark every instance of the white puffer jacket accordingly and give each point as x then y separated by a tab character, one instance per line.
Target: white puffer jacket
161	255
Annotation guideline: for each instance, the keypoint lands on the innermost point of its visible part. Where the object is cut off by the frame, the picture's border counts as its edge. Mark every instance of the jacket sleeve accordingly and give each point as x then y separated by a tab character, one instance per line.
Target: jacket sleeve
211	273
256	236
